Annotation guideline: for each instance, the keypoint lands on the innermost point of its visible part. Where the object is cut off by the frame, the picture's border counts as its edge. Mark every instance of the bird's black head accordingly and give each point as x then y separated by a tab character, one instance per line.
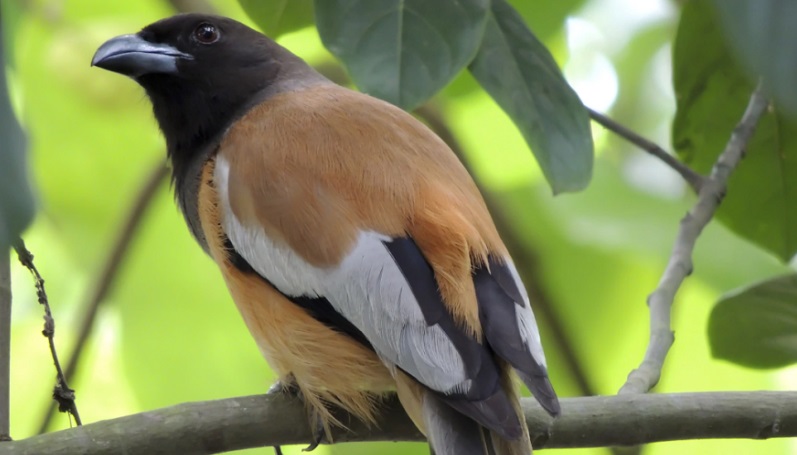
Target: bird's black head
201	72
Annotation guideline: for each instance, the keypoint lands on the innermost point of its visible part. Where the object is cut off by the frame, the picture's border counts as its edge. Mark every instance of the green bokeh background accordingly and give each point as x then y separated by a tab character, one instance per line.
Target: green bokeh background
169	332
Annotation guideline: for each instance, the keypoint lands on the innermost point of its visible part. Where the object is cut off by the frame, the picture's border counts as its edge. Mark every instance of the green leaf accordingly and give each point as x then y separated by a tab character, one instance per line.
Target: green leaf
403	51
757	327
764	37
546	17
16	198
276	17
712	92
523	78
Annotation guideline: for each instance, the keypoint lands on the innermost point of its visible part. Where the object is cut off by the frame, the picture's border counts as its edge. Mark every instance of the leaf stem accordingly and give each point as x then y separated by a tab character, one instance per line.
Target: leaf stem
692	177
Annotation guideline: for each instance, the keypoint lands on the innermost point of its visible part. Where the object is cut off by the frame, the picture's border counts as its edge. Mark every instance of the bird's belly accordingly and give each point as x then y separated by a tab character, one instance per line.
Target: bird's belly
328	366
293	342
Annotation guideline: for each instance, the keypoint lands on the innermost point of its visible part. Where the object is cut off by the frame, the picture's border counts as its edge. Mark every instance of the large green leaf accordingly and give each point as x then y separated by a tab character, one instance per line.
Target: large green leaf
403	51
757	326
523	78
763	35
275	17
712	92
16	198
547	18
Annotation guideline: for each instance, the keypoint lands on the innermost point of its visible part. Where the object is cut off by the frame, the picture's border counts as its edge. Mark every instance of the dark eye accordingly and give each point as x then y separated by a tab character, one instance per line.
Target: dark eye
206	33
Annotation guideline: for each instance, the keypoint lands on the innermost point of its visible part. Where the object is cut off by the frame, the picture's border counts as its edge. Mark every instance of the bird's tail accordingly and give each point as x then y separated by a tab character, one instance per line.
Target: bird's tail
451	432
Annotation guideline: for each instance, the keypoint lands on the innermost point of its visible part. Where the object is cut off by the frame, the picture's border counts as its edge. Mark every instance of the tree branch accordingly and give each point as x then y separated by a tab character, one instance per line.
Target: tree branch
694	179
108	274
267	420
5	346
679	267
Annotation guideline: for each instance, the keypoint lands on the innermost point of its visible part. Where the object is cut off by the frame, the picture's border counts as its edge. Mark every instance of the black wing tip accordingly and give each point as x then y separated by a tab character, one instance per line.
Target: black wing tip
542	389
552	407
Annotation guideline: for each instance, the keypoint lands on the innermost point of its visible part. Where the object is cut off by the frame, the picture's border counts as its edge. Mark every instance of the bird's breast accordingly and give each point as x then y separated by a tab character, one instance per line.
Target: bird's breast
323	360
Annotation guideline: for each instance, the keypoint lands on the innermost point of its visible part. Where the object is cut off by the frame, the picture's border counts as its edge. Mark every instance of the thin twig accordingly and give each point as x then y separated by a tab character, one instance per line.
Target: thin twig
692	177
258	421
679	266
5	346
109	273
524	256
61	393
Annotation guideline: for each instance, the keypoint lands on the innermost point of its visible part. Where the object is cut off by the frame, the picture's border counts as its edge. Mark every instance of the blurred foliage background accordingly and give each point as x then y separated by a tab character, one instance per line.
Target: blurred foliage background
168	331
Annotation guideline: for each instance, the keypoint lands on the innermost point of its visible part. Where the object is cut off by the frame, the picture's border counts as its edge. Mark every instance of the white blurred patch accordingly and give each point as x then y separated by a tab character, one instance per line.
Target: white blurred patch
619	29
589	70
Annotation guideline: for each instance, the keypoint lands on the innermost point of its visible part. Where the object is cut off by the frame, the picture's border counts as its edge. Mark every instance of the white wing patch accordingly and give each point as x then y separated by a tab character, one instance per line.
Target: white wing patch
526	321
367	288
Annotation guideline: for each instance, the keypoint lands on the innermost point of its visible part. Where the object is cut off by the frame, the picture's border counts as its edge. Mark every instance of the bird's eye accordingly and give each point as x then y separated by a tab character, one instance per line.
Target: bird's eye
206	33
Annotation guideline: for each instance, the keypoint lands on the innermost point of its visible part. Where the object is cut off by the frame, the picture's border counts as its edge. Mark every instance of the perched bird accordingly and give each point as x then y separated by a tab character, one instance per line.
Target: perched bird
354	243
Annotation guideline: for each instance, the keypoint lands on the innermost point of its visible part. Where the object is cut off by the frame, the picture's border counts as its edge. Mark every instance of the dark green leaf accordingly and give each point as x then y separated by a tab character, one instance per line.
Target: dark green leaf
275	17
523	78
16	199
757	326
711	92
546	18
403	51
764	37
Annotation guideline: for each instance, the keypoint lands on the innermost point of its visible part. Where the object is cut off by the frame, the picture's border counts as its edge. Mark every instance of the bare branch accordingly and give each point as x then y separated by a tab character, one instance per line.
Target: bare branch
259	421
61	393
5	346
679	267
691	176
108	274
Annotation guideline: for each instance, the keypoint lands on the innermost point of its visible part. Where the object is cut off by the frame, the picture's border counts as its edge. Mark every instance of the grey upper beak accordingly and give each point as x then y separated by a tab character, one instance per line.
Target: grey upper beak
133	56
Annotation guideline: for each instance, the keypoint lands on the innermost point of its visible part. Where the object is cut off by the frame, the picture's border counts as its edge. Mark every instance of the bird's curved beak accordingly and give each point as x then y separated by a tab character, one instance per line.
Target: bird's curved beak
133	56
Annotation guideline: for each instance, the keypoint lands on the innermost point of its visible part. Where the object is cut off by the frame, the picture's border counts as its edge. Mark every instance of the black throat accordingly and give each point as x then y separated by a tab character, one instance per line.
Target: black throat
194	115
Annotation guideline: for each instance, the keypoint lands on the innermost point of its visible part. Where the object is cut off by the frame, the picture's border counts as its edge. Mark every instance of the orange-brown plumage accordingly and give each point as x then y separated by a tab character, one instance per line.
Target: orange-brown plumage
354	243
336	162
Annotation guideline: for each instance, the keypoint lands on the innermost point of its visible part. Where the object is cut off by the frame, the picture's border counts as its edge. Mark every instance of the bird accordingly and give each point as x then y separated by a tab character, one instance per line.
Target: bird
354	243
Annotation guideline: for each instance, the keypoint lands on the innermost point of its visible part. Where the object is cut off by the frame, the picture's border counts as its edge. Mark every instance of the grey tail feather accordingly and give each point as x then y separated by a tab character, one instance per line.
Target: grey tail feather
452	433
495	412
